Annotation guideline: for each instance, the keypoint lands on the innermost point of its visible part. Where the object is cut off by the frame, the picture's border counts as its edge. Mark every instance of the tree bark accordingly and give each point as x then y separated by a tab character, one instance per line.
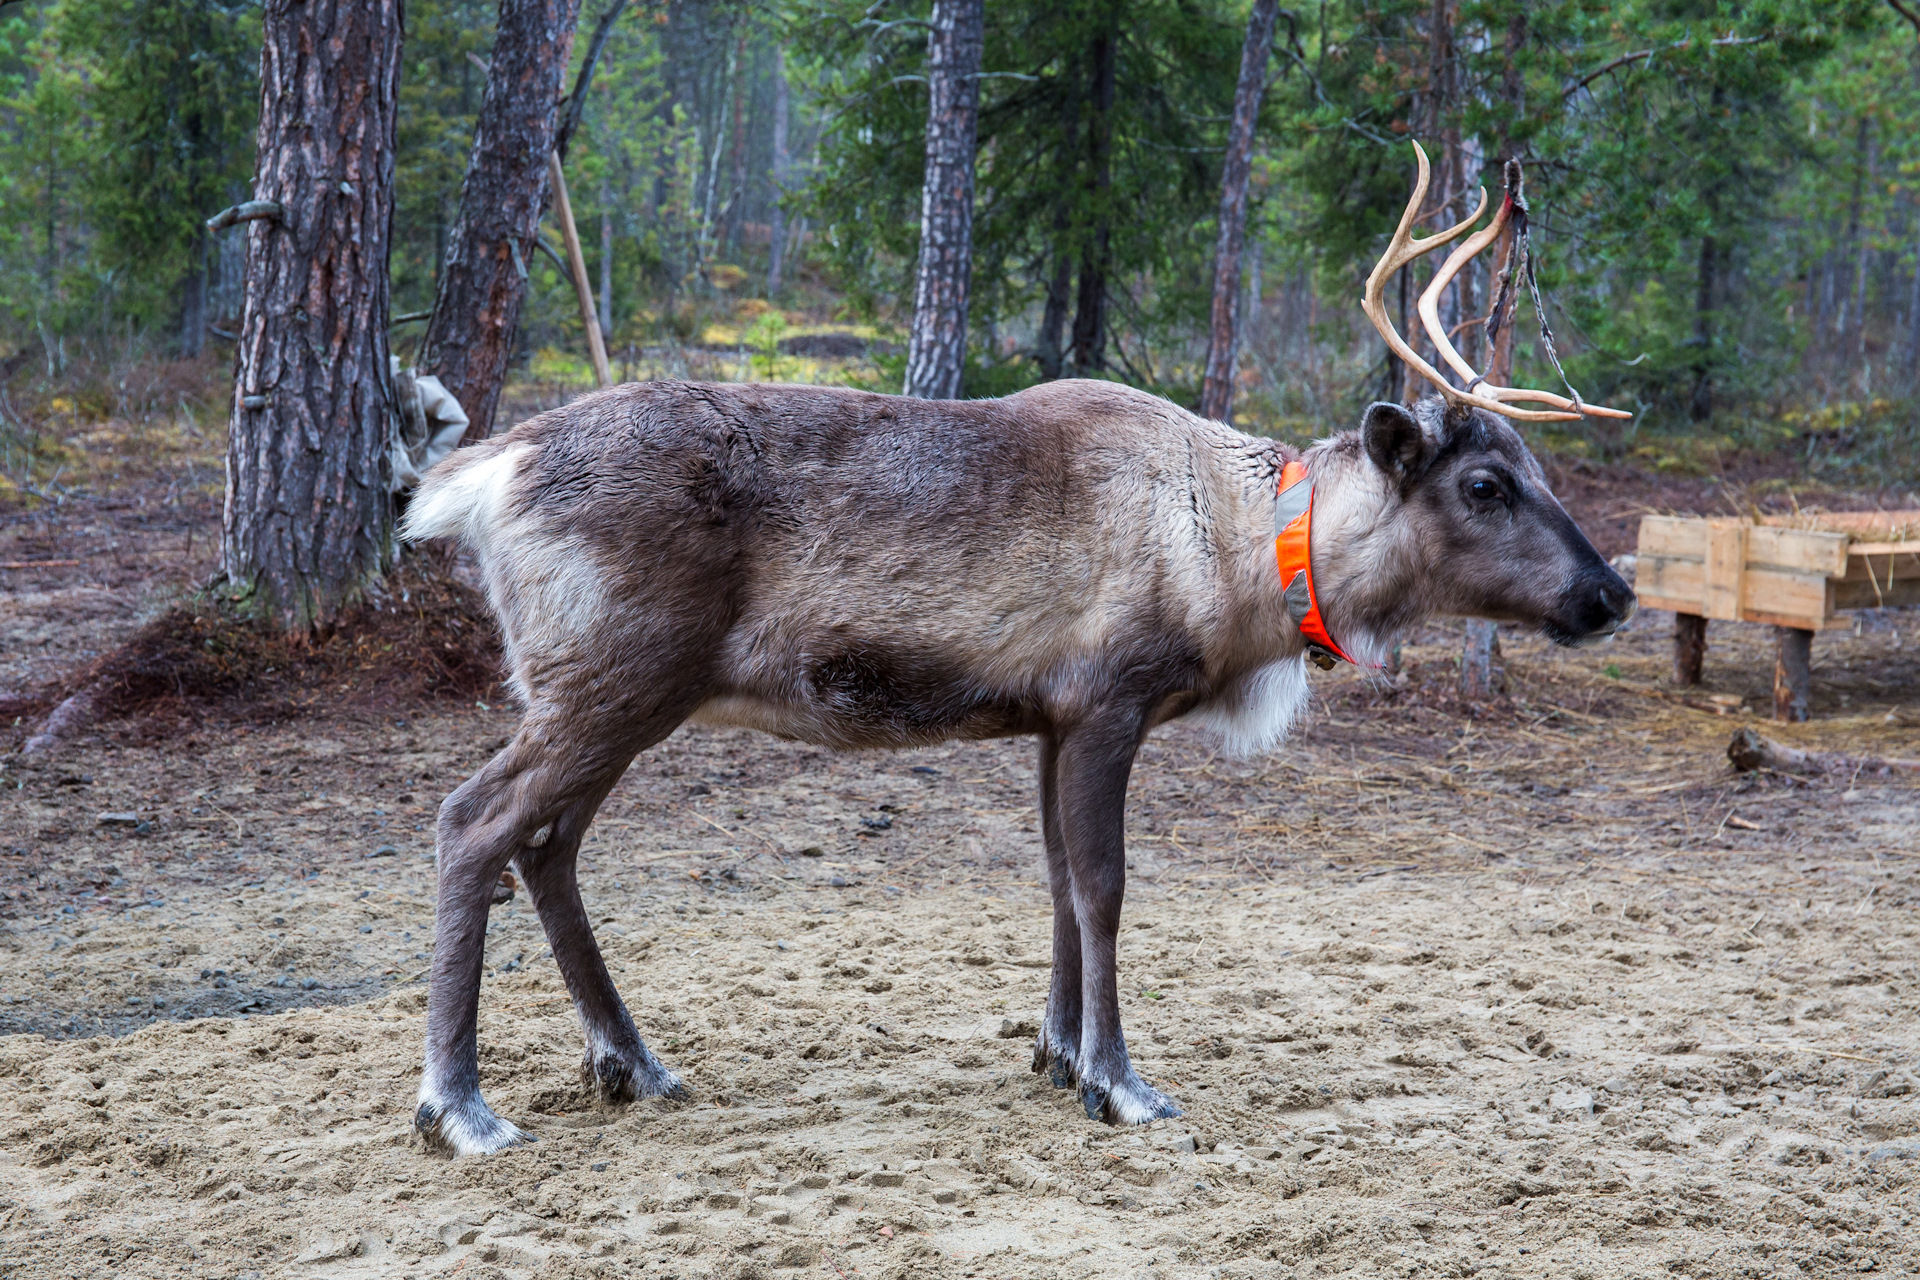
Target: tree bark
1090	306
1689	647
777	222
1480	677
1792	673
1216	392
308	521
577	100
937	347
476	308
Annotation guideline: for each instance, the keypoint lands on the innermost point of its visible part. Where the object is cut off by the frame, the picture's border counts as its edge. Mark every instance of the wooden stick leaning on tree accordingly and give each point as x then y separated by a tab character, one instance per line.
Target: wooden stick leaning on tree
577	268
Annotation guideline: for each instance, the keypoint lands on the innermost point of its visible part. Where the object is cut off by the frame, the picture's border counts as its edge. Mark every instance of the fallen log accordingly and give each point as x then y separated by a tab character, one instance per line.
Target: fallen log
1750	752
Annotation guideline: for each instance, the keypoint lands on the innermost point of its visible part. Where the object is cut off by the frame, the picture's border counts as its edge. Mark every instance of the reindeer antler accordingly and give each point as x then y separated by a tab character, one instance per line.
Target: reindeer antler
1403	249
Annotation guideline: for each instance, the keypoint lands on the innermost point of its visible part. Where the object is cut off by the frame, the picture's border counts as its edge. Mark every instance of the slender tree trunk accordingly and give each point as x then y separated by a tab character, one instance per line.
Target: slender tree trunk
193	300
1053	317
937	347
1216	392
1513	93
308	520
736	208
1052	352
476	308
606	264
1090	307
1700	406
1913	312
777	222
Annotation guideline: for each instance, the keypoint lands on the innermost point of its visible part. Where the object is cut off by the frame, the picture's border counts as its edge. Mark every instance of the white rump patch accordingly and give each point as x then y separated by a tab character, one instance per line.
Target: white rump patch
1258	713
465	503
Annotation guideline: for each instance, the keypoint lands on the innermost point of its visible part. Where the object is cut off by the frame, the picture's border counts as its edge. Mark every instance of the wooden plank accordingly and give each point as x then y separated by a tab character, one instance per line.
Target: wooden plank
1807	550
1861	595
1803	624
1671	580
1879	568
1726	568
1805	598
1673	536
1897	524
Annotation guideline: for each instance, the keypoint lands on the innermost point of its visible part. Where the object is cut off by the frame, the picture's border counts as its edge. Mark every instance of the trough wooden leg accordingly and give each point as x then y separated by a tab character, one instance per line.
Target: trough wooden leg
1479	678
1689	647
1792	673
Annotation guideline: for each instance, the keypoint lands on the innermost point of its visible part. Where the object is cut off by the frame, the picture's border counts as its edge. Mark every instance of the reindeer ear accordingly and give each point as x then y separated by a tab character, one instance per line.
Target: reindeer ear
1394	440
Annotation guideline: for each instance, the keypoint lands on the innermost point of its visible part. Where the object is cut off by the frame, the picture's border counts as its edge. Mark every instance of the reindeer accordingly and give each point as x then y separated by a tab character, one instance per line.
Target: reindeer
1078	563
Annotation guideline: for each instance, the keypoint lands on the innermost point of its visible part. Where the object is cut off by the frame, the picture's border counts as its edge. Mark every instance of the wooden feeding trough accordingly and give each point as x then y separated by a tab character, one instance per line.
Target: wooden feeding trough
1796	573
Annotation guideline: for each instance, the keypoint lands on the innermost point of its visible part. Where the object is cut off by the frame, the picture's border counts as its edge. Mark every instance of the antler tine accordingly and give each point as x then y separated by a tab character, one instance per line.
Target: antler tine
1430	321
1401	250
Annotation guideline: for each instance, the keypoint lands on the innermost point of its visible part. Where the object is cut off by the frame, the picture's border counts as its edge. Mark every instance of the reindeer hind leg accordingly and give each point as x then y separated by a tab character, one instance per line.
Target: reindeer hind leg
1056	1048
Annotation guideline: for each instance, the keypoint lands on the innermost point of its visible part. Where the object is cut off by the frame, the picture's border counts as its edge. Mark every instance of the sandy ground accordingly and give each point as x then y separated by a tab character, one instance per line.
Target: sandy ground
1539	991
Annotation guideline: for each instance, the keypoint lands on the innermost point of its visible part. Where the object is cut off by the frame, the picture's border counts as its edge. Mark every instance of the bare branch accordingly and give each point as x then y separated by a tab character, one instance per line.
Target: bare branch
251	211
540	243
1574	86
1909	14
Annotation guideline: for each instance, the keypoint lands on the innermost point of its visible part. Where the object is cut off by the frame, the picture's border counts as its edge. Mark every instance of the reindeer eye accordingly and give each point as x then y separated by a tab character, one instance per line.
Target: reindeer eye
1484	490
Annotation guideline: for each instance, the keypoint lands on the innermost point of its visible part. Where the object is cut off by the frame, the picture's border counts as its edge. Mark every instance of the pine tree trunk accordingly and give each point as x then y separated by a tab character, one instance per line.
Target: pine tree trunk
1216	392
777	222
937	347
476	308
308	520
1051	347
1090	307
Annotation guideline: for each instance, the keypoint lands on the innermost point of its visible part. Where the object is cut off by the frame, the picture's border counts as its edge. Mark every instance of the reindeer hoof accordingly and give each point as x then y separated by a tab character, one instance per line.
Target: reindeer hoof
621	1079
1053	1062
1128	1101
467	1129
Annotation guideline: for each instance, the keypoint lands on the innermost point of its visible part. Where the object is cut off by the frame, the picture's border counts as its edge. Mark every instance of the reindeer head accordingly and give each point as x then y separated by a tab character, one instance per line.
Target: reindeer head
1481	532
1485	533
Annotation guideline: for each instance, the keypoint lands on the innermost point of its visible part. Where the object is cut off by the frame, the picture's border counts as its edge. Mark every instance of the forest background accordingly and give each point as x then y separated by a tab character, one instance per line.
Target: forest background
1726	197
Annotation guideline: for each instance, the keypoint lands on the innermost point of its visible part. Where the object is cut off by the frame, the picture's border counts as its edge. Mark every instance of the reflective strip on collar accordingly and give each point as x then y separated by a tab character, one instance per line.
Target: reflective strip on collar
1293	550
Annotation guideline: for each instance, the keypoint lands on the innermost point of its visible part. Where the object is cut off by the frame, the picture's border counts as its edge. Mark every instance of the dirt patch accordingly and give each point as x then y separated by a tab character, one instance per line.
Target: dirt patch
423	636
1433	987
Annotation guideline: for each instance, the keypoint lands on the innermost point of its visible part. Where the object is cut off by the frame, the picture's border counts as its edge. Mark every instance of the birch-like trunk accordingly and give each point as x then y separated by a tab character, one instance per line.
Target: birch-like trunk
777	223
308	521
937	348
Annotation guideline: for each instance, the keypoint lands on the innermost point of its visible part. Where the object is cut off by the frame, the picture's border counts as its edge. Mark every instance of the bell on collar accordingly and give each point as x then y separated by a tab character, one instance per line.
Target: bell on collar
1320	657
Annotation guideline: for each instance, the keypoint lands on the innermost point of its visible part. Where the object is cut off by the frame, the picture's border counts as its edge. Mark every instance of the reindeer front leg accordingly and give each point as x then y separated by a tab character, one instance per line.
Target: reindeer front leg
1091	769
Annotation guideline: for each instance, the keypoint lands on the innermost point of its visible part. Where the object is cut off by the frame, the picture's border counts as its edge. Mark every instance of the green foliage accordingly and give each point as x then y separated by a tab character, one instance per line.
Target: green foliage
123	125
1772	141
44	144
1043	199
171	97
441	86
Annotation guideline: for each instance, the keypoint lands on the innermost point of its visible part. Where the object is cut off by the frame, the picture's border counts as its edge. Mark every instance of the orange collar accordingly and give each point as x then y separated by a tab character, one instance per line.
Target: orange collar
1293	546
